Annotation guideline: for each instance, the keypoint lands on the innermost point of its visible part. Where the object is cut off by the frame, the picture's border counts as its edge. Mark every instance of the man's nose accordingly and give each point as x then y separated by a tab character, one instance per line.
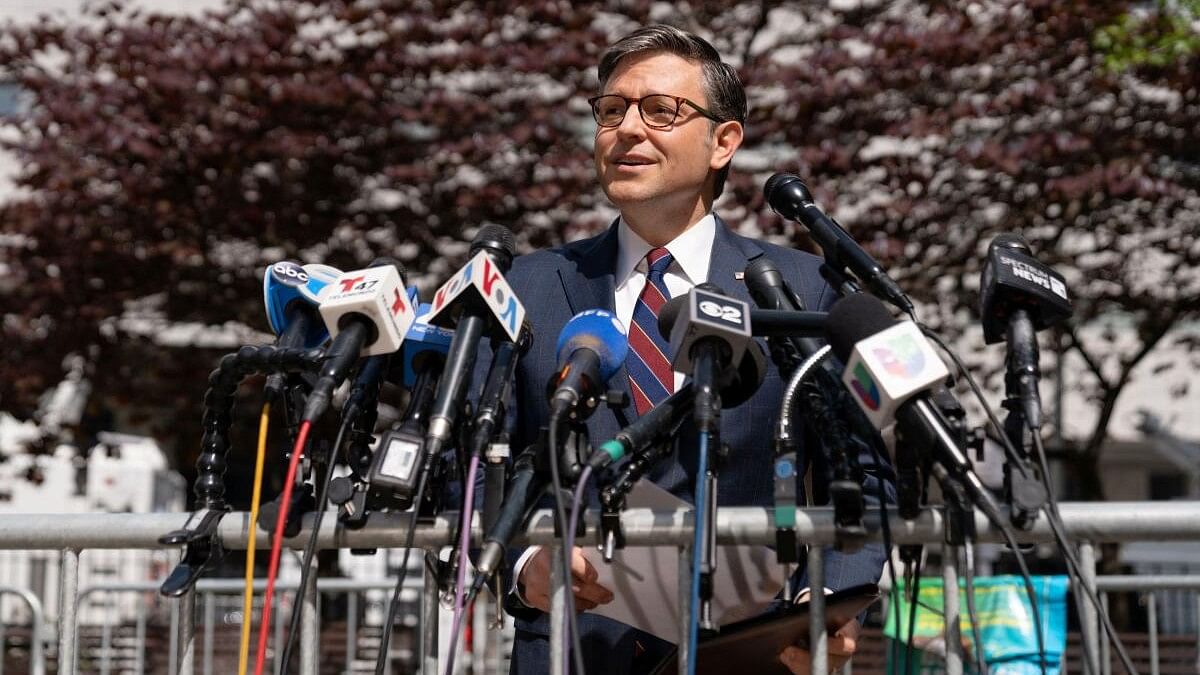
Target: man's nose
632	126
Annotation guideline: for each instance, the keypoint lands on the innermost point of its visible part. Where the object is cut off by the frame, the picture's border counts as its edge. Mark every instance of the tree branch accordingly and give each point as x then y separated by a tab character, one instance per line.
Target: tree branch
1113	392
1092	365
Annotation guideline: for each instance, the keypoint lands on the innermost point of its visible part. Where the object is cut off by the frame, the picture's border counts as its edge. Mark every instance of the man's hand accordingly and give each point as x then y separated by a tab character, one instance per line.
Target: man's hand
536	579
842	645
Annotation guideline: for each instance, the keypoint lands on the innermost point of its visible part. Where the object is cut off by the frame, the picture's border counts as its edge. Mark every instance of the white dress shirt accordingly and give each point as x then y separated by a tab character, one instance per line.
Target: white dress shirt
691	253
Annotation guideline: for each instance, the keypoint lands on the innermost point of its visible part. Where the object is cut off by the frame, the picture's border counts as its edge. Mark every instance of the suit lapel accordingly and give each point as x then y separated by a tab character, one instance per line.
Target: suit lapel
592	285
731	253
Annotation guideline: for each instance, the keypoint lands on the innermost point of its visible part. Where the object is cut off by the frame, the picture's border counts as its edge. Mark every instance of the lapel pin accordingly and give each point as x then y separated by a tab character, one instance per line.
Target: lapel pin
739	276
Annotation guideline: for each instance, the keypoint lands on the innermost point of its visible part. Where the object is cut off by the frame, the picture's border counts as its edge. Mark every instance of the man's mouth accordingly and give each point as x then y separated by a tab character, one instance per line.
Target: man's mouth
633	161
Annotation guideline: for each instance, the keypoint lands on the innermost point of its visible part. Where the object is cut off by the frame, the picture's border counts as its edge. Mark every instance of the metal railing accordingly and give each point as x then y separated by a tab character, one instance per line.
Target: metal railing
1086	523
37	659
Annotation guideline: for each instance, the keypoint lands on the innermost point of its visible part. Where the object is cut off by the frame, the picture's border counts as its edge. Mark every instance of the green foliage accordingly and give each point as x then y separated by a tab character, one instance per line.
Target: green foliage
1157	39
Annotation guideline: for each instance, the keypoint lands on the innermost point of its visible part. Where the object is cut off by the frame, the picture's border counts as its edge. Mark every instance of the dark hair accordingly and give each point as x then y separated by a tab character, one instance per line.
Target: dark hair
722	88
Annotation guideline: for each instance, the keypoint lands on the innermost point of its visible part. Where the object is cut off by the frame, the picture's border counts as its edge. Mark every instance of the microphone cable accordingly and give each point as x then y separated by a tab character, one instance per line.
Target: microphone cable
1053	518
464	560
248	594
573	647
310	548
968	561
394	605
264	627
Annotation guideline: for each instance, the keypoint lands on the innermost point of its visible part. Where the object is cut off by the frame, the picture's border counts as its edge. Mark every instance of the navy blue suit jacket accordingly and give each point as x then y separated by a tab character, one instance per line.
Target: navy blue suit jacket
556	284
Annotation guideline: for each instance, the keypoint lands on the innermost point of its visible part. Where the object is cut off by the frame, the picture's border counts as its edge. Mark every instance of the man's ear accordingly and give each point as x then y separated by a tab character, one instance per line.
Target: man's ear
727	138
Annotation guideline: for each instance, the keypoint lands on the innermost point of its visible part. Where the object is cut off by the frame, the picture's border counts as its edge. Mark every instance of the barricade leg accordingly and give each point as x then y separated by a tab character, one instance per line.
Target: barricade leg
68	599
210	614
558	609
1105	643
954	664
187	633
1152	627
351	631
685	608
310	626
173	644
106	643
430	606
818	637
1088	619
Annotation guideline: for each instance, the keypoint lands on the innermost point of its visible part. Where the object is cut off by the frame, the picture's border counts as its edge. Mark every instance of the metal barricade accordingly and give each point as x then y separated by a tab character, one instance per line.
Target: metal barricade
1086	523
37	657
1147	586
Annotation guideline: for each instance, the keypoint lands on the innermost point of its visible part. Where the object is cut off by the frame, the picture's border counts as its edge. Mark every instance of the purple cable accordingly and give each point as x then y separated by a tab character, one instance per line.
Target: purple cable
464	559
568	550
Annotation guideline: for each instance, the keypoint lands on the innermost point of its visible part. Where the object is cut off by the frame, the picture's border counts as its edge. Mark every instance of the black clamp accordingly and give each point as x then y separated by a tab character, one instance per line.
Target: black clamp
202	553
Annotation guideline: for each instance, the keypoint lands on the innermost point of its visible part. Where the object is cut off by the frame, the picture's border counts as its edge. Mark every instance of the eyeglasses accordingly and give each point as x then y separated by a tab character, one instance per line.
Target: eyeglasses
658	111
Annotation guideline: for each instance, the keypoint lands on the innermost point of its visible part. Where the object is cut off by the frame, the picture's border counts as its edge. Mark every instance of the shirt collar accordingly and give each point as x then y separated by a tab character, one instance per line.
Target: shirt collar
692	250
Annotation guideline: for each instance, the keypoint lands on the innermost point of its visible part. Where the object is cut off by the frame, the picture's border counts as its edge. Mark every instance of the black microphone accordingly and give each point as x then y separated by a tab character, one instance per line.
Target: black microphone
1018	297
770	291
368	313
709	333
663	420
475	301
524	488
394	465
790	198
489	414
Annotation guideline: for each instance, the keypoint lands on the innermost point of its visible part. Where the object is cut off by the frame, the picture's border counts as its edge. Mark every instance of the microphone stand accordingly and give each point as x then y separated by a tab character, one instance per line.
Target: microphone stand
1023	491
709	452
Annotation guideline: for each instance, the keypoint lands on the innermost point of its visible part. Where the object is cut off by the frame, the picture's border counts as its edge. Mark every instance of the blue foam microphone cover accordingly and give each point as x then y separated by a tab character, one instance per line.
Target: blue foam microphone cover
597	330
423	337
285	283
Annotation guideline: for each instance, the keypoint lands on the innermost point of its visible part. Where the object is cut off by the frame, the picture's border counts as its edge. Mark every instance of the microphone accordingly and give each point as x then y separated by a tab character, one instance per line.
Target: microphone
892	371
395	462
367	312
290	295
783	323
475	300
1018	297
663	420
708	332
524	488
422	337
591	348
496	387
770	291
789	197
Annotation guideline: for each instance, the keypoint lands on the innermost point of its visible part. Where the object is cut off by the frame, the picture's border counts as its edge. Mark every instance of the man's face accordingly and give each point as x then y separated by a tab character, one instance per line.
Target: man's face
638	165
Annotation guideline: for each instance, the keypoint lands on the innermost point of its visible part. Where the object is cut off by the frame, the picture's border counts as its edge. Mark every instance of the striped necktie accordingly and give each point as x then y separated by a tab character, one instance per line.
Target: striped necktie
651	378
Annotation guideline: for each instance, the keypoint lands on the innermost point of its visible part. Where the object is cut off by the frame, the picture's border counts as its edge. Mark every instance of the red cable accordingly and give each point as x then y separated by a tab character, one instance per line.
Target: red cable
264	627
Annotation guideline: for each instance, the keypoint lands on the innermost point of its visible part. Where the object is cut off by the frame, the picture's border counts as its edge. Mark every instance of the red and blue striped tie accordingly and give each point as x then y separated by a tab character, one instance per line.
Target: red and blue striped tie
651	378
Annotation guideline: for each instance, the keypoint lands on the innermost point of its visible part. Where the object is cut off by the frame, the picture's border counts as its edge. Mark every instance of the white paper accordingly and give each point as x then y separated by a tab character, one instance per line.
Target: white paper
645	580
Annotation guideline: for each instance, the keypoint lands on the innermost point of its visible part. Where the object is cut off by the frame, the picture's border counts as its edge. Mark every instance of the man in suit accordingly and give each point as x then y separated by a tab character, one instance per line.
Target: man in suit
669	120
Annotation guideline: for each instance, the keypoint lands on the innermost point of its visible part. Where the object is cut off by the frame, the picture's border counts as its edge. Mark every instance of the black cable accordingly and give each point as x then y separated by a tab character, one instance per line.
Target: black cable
886	529
1011	540
560	511
1052	515
915	590
310	548
381	659
972	616
1057	527
1014	459
1010	452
